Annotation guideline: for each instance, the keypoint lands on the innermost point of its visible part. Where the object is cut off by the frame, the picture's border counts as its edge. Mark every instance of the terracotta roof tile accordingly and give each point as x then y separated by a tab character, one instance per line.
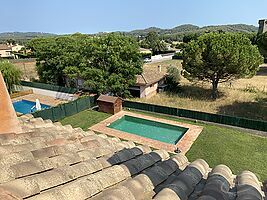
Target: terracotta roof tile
149	76
5	47
106	98
50	161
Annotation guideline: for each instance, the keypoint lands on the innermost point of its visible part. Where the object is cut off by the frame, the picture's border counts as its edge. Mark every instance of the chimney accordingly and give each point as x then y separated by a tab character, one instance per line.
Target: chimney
159	68
262	26
9	122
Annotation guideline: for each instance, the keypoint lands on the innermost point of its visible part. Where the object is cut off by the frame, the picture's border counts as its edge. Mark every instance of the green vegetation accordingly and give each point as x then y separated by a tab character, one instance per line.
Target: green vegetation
22	37
262	43
217	145
173	78
239	98
178	33
85	119
107	63
153	42
220	57
220	145
10	74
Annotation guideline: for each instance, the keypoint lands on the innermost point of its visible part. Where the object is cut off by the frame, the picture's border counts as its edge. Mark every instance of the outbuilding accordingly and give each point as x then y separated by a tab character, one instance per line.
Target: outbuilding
109	104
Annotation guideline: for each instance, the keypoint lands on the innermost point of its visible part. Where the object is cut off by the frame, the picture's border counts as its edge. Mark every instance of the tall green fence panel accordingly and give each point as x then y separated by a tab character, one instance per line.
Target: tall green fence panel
70	108
44	114
63	110
93	101
83	103
210	117
58	112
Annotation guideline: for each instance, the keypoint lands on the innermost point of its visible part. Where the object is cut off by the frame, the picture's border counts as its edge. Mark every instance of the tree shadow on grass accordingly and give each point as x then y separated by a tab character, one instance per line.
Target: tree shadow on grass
253	110
196	92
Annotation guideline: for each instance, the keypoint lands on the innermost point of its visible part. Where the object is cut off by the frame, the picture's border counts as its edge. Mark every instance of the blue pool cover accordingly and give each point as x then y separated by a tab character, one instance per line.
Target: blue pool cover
25	107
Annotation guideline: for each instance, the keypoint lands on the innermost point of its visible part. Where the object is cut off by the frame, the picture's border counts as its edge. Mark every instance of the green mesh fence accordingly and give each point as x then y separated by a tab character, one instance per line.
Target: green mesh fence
58	112
64	110
45	114
221	119
70	108
83	104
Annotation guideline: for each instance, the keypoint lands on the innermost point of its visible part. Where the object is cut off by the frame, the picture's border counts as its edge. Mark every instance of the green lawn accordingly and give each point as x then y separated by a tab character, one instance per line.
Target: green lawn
217	145
237	149
85	119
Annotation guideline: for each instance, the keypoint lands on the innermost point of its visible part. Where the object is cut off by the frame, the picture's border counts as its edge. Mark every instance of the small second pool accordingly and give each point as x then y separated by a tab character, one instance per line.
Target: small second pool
25	107
150	129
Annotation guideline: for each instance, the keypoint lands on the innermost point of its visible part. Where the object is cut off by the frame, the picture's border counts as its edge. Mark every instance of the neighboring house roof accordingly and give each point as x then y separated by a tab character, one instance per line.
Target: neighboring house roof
149	76
107	98
49	161
5	47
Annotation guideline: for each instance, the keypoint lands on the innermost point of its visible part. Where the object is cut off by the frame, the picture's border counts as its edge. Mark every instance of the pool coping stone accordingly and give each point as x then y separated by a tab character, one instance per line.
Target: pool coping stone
184	144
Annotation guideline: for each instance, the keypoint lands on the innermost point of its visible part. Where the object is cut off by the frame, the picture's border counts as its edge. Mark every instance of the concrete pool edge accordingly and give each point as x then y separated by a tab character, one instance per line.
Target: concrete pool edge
184	144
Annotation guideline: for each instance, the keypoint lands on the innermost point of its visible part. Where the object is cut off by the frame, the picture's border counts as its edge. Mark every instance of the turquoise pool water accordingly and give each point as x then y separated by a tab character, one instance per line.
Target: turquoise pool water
150	129
25	107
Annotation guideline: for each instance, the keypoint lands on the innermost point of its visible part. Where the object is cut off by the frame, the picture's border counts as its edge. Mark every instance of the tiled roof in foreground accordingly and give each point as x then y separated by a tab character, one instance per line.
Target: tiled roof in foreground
50	161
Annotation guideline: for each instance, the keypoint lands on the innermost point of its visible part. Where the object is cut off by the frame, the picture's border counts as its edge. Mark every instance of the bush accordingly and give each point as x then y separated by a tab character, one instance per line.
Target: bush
173	78
178	55
146	55
10	74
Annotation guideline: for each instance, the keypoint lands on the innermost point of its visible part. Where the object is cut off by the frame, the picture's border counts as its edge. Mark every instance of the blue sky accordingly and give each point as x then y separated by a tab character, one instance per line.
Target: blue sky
90	16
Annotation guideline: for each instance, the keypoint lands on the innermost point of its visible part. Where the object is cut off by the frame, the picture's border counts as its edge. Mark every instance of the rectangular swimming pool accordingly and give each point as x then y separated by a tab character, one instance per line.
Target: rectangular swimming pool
149	129
25	106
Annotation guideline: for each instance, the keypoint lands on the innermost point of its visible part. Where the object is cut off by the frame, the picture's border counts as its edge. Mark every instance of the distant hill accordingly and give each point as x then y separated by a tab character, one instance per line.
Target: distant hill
179	31
22	37
175	33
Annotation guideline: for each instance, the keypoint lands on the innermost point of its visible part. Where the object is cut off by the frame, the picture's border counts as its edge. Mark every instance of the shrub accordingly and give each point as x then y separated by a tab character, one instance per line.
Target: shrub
173	78
178	55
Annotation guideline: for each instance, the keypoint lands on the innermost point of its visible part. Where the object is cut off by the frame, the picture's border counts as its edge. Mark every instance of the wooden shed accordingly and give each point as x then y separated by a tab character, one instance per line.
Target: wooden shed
109	104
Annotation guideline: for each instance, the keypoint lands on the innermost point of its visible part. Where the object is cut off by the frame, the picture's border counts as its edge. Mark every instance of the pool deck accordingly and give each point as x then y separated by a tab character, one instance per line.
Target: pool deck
184	144
47	100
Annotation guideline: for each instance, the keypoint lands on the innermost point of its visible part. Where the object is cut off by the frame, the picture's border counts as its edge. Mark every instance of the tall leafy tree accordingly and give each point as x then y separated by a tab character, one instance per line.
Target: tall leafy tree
220	57
11	74
107	63
153	42
54	55
189	37
113	63
173	78
262	43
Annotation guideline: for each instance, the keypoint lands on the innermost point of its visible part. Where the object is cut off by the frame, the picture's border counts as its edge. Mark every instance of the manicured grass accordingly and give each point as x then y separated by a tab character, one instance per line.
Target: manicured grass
237	149
85	119
217	145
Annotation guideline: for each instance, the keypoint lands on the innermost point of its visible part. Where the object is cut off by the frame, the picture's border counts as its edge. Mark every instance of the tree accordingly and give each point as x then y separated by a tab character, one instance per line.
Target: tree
108	63
11	41
220	57
262	43
114	62
11	74
173	78
153	42
54	54
189	37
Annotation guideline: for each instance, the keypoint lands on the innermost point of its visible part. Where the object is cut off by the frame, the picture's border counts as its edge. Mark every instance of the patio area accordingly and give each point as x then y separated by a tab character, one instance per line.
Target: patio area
184	144
47	100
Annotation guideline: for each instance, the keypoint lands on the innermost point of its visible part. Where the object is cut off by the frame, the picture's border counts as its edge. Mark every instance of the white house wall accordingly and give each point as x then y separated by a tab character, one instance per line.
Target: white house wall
54	94
148	91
